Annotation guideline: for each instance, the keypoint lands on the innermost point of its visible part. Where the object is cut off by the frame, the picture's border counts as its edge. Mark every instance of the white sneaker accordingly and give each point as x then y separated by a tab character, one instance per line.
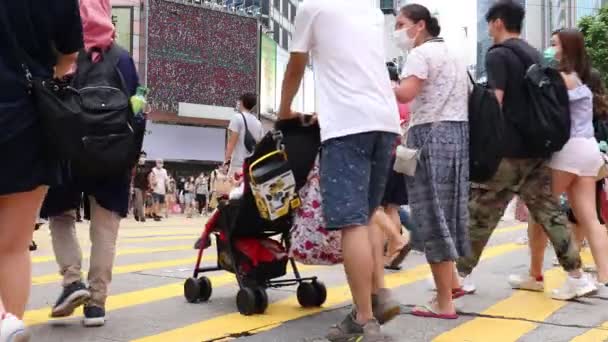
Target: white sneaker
574	288
12	329
468	286
526	282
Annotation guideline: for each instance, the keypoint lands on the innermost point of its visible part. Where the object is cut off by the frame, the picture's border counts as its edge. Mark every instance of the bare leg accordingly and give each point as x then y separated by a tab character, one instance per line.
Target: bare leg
582	200
377	239
359	265
537	239
443	273
17	218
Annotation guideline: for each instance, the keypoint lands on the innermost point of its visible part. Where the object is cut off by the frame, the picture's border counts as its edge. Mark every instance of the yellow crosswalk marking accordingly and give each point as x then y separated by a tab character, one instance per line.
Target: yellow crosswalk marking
593	335
122	252
51	278
521	304
289	309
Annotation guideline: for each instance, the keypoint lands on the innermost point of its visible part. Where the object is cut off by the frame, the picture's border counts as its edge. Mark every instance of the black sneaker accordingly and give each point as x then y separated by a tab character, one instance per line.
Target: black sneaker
73	296
94	316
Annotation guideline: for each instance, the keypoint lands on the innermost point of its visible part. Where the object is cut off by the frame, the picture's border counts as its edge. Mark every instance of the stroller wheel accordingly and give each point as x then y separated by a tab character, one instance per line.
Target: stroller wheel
205	288
261	300
246	301
312	294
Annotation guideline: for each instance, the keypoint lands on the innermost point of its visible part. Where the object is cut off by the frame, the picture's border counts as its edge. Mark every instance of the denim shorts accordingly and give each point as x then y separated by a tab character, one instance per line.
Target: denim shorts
158	198
354	173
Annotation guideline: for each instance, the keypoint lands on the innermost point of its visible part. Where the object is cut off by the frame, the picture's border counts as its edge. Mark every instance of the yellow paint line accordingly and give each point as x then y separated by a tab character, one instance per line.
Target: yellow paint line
521	304
42	259
593	335
289	309
146	296
154	233
511	229
51	278
161	238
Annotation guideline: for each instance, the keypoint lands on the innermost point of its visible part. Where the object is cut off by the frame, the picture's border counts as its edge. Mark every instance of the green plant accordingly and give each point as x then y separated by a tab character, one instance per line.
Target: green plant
595	29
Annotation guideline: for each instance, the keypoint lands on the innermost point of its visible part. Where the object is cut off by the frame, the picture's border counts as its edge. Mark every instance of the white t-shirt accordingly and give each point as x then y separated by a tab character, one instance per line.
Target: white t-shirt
237	125
444	95
162	178
346	42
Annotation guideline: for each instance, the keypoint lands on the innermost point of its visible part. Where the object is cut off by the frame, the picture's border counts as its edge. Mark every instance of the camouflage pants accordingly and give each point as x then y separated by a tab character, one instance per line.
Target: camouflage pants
531	180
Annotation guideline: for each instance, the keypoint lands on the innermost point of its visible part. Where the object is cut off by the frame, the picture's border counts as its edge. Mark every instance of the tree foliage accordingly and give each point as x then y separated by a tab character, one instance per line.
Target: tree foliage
595	29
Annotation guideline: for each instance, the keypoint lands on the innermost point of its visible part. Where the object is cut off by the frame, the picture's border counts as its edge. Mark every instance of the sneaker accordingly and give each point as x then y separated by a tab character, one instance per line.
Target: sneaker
384	306
526	282
94	316
73	296
12	329
349	330
574	288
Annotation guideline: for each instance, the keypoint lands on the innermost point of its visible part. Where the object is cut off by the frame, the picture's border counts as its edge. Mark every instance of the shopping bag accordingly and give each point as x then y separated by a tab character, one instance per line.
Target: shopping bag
311	243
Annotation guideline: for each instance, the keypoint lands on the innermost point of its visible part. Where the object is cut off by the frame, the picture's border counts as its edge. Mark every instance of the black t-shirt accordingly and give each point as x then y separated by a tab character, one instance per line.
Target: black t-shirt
506	72
42	28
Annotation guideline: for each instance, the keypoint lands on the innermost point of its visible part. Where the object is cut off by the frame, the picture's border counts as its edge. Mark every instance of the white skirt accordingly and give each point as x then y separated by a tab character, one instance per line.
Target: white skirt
580	156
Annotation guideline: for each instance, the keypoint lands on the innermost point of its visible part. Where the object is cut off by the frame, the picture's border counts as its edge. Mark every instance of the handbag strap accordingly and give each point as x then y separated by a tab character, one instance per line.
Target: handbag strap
245	121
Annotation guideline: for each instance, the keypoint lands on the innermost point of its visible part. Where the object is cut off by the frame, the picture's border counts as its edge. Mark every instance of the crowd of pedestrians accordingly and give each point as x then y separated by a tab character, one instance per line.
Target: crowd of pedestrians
367	116
454	216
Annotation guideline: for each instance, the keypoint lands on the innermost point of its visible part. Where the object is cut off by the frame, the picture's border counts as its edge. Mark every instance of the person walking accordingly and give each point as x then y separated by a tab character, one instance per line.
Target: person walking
202	192
242	124
357	114
189	189
107	198
438	192
50	34
141	186
521	172
576	166
159	189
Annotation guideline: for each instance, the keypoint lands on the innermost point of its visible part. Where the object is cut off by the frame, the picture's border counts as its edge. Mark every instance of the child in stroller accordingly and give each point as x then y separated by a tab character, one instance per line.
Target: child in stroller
247	242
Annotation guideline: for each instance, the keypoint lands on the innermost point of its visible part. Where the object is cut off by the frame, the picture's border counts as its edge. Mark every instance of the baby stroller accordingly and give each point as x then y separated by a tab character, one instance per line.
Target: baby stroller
244	235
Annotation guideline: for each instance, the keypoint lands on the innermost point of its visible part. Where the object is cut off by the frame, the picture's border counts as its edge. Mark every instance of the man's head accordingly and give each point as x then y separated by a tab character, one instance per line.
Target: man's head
505	19
159	163
142	157
247	102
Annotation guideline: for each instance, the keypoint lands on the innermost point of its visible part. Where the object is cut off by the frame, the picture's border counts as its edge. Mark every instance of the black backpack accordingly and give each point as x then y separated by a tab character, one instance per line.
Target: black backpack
486	133
106	120
546	125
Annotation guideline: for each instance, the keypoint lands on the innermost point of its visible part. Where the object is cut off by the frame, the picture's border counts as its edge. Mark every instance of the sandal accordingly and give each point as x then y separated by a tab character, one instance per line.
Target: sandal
397	258
428	312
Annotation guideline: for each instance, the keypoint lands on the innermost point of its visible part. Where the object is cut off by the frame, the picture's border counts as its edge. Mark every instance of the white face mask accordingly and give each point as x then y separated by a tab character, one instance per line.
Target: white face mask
403	40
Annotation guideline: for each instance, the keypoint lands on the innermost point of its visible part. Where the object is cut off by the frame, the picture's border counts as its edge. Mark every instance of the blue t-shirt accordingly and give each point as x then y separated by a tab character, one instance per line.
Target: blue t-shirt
41	28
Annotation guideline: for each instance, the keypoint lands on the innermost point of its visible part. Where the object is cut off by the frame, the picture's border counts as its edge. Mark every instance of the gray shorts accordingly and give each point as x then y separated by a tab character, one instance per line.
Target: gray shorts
354	172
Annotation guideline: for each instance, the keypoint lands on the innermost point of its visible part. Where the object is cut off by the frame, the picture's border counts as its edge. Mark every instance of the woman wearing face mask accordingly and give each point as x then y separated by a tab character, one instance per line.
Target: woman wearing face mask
438	193
576	166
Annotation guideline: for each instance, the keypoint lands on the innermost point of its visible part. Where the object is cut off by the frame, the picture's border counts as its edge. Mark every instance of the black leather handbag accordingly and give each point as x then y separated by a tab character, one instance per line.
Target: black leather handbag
56	102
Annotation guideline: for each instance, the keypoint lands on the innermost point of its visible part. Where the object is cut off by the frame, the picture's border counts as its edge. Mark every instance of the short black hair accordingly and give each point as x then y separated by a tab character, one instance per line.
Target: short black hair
249	100
510	12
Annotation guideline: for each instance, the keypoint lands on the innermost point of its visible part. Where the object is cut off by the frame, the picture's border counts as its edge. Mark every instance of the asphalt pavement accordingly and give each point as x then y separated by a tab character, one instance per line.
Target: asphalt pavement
147	304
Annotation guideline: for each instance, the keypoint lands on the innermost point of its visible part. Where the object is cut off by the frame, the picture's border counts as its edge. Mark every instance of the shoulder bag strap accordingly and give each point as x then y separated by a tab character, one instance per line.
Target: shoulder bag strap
245	121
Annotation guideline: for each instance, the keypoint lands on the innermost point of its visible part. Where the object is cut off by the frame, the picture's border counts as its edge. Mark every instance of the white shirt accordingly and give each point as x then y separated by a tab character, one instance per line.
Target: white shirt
162	178
444	95
237	125
346	42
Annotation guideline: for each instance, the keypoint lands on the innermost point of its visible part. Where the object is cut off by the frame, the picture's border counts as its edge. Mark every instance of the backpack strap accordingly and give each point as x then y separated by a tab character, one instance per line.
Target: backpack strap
523	57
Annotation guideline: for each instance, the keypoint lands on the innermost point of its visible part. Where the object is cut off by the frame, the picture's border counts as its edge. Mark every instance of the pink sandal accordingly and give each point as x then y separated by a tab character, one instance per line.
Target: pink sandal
428	312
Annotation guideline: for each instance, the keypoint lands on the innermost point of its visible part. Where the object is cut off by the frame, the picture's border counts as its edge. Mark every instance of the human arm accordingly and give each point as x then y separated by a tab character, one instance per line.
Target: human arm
234	128
296	67
68	38
415	73
496	68
301	45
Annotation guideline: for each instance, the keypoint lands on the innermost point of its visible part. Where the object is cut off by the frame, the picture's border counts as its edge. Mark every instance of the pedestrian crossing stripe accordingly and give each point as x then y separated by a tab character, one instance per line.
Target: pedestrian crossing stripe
52	278
524	306
146	296
123	252
289	309
593	335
